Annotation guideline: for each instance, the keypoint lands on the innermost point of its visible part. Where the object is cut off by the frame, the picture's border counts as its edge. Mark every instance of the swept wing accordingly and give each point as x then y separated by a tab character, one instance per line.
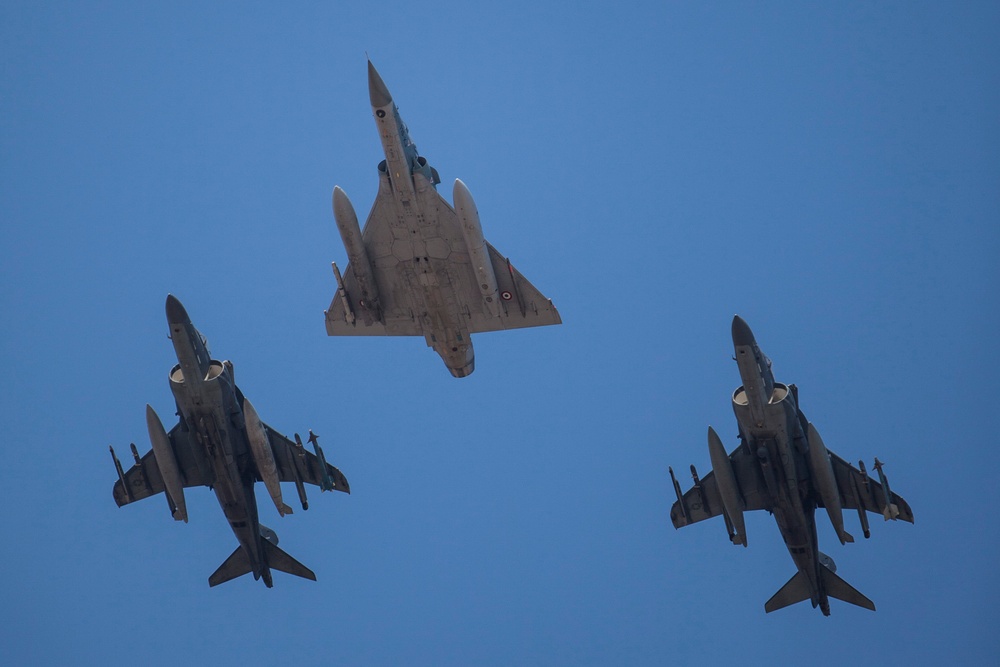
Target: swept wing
295	463
858	490
144	478
703	500
400	279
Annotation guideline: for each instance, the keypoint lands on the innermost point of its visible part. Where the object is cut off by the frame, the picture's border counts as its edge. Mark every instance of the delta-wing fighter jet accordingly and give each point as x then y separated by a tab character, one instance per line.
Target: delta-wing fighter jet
782	466
421	267
220	442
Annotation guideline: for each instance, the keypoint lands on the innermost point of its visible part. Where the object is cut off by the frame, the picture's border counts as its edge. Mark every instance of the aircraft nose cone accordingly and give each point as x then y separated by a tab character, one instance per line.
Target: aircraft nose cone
377	91
175	311
741	332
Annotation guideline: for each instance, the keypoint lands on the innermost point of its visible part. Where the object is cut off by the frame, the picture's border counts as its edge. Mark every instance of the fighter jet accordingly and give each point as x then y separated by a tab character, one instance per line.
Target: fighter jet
421	267
220	442
782	466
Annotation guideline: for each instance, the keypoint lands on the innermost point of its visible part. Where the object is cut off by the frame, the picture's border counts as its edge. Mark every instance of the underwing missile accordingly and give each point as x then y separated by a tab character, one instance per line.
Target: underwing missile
298	461
342	293
350	233
142	468
696	481
166	461
472	231
859	503
326	482
826	483
263	456
891	511
864	477
680	496
121	475
703	499
725	479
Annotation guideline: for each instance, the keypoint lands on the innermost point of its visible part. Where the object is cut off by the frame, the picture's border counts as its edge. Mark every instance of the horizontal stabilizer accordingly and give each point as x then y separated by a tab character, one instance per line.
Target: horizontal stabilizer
279	560
795	590
840	589
235	566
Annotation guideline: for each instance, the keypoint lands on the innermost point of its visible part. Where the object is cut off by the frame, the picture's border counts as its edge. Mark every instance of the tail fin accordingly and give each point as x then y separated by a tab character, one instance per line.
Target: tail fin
279	560
795	590
235	566
840	589
238	564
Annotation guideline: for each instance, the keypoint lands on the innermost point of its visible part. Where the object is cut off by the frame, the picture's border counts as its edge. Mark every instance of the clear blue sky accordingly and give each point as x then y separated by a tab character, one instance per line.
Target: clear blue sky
828	171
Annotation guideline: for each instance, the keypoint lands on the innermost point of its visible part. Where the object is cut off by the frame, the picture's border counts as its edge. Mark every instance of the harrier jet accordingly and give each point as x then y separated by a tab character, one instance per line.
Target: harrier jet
220	442
421	267
782	466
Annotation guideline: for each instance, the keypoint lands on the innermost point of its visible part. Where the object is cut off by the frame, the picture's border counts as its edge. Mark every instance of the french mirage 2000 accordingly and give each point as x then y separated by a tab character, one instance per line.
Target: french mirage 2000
422	267
220	442
782	466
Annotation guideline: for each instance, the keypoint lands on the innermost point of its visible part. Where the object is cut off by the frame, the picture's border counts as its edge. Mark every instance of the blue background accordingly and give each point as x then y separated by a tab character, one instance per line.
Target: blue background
828	171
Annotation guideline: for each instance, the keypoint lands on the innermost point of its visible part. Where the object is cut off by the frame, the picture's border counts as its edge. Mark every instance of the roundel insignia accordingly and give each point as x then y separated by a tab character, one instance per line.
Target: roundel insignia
506	296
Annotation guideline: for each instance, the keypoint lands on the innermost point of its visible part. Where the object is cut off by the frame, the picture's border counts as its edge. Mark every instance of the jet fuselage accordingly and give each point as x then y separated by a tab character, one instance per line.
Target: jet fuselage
782	466
772	427
418	248
208	405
